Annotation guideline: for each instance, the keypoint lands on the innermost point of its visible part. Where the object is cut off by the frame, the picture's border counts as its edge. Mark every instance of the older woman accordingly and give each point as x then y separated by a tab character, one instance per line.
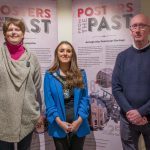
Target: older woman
66	99
20	81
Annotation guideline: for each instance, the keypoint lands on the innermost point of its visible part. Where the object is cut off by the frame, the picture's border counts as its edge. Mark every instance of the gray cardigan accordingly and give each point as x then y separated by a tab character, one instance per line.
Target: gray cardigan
19	82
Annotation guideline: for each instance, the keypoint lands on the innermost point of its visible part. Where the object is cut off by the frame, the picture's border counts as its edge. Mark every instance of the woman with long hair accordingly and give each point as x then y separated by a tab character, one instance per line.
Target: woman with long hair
66	99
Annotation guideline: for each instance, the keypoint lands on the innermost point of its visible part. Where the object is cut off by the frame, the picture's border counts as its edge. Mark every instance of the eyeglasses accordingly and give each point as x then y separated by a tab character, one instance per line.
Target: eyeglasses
138	26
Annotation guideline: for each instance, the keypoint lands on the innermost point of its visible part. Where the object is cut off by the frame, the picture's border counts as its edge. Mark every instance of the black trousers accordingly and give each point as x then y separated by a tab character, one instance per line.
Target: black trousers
24	144
130	134
70	142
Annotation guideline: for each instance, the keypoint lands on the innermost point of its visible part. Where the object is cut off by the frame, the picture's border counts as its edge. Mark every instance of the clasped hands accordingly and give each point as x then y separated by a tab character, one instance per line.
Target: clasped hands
135	118
70	127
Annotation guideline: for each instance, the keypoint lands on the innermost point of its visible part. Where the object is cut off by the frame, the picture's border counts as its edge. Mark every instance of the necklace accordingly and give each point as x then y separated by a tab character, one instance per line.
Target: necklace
66	90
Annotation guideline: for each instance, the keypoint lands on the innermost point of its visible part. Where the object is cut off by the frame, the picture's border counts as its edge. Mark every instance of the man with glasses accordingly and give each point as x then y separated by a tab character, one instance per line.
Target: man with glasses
131	85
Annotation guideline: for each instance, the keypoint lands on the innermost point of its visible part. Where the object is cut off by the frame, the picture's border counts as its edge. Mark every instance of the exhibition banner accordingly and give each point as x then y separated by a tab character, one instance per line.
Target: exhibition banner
41	25
40	19
100	32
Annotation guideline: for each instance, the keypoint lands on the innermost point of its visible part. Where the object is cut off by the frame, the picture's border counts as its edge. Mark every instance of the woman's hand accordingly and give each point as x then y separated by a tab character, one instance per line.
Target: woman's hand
64	125
76	124
40	124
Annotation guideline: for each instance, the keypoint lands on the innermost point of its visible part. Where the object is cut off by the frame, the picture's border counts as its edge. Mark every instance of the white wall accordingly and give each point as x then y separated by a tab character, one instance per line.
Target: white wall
145	8
64	13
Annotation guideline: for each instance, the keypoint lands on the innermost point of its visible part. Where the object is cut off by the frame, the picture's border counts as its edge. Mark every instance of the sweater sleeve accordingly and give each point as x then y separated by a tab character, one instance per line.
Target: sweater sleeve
117	88
145	109
37	79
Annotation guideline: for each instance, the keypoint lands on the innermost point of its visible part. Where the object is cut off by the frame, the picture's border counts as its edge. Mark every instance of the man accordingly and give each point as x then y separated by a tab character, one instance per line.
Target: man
131	85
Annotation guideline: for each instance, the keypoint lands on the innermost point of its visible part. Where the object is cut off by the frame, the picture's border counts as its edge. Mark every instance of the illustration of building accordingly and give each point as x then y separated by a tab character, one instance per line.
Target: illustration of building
98	114
103	77
102	110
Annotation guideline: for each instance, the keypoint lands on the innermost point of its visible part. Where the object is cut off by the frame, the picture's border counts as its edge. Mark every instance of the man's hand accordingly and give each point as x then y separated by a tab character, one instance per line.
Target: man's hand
143	121
134	117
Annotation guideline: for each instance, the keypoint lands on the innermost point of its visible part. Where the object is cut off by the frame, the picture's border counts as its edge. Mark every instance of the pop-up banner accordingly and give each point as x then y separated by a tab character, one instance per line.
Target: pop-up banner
100	32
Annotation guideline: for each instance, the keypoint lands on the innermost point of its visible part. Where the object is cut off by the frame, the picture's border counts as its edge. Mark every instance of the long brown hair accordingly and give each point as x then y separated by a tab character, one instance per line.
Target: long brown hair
73	75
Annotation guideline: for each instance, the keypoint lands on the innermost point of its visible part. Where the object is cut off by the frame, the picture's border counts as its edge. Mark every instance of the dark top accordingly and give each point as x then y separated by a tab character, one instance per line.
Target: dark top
131	80
69	102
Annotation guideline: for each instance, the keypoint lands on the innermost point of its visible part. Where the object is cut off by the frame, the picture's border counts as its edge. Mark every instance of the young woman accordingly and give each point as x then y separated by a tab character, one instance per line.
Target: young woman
20	81
66	99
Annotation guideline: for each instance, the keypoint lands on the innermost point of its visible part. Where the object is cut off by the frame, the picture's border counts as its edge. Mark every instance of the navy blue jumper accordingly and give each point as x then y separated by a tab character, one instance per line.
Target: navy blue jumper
131	80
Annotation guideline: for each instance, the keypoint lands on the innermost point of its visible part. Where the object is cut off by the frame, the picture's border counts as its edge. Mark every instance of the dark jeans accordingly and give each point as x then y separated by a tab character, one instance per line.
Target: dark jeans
130	134
70	142
24	144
